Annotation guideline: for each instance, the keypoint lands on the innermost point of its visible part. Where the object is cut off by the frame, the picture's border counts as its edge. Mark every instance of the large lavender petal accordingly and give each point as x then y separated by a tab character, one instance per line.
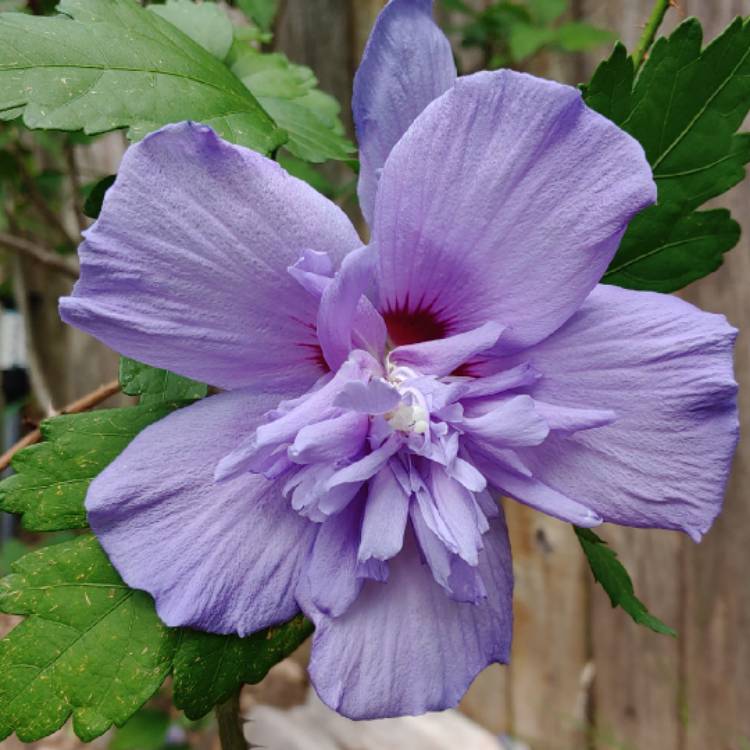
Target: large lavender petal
187	266
665	369
407	63
405	647
218	557
504	201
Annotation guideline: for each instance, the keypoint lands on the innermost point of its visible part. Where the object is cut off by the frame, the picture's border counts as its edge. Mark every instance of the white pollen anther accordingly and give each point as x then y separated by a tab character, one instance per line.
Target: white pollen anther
411	415
407	418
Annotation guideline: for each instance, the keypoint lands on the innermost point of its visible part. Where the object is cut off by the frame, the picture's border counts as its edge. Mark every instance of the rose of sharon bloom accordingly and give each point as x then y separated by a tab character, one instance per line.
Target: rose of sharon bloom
377	398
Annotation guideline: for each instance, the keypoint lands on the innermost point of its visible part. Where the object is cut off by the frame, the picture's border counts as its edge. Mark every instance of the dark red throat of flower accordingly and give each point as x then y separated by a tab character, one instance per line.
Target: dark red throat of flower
413	327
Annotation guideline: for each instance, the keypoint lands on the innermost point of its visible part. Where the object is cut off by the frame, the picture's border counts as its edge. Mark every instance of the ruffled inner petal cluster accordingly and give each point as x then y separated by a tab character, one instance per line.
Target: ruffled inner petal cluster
395	440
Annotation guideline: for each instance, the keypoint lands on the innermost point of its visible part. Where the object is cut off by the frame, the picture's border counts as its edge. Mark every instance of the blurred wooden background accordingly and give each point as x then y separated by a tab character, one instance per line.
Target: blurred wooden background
582	675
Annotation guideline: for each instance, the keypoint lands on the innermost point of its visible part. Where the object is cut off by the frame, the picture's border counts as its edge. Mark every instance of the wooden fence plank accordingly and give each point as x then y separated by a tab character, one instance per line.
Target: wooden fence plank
318	33
637	683
647	694
549	694
716	626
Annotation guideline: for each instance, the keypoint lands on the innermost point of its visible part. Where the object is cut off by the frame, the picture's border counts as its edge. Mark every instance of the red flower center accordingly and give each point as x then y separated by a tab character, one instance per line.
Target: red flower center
413	327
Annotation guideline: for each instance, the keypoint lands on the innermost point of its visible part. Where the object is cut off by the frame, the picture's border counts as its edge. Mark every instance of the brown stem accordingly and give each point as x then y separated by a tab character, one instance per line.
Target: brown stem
39	254
89	401
230	723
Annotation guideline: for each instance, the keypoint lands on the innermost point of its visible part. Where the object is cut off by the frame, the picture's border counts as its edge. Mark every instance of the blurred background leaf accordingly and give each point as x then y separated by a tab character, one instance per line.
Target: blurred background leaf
512	33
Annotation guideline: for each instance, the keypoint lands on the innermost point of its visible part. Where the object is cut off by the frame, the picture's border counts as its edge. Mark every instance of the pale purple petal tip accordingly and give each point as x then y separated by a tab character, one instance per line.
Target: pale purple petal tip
665	370
408	62
345	310
332	572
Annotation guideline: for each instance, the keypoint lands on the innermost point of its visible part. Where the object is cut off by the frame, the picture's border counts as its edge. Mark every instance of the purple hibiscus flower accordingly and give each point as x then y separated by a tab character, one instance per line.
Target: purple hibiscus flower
375	396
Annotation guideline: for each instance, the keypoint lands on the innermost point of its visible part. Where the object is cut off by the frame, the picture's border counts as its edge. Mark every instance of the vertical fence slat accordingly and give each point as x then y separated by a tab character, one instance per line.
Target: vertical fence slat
710	672
637	684
717	617
318	33
549	697
488	699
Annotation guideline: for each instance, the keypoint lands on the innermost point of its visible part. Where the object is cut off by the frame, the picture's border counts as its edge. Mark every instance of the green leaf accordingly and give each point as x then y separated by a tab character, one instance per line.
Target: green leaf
261	11
614	579
547	11
271	75
525	39
695	153
287	92
154	386
459	6
147	730
493	25
90	646
92	206
665	250
10	551
685	108
209	668
310	137
251	35
580	37
114	64
610	91
51	480
303	170
204	23
94	647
